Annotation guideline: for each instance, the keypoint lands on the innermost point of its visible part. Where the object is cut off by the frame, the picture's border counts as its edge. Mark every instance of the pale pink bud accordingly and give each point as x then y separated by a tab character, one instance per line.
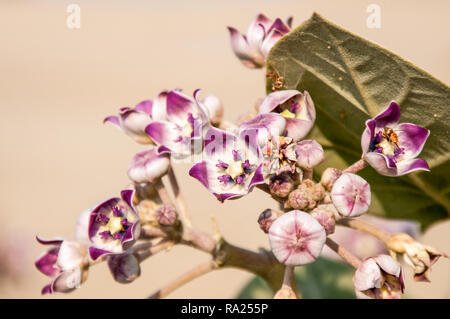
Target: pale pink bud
298	199
166	215
329	176
124	267
267	217
309	154
317	192
325	218
296	238
281	185
351	195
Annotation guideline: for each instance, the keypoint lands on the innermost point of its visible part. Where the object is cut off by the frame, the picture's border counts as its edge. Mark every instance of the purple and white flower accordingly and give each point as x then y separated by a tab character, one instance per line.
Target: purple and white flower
113	226
297	108
266	126
147	166
213	107
390	147
82	228
232	166
351	195
379	277
296	238
186	122
66	262
262	34
133	121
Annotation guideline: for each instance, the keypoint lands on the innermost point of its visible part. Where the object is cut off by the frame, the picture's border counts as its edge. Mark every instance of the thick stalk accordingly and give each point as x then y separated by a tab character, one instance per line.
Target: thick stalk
162	192
308	174
344	253
356	167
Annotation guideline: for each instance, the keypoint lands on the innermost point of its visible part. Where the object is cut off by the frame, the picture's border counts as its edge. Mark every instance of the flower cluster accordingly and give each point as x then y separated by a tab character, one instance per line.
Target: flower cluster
272	151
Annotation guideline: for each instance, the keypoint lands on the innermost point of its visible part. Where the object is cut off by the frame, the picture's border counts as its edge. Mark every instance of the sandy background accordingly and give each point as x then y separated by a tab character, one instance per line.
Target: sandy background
57	85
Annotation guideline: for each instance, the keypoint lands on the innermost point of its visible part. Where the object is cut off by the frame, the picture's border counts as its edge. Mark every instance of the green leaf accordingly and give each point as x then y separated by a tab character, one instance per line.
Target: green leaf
351	80
322	279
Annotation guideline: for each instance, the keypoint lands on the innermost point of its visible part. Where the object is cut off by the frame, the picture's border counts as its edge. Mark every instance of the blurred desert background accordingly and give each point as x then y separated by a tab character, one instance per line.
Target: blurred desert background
57	84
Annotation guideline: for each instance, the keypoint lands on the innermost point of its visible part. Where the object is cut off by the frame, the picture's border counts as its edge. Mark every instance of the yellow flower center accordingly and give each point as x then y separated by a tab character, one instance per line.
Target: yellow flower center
287	113
186	130
235	169
388	147
115	225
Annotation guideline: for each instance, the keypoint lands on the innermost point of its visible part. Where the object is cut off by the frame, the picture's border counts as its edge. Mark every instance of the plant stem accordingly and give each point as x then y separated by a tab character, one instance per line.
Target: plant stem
366	228
162	192
179	198
308	174
288	278
184	279
152	232
344	253
356	167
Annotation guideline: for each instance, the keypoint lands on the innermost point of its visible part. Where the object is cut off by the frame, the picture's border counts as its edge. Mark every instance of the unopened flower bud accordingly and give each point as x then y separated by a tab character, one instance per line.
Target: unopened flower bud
267	217
329	176
166	215
325	218
317	192
124	267
351	195
309	154
148	166
306	184
147	209
298	199
281	185
416	255
296	238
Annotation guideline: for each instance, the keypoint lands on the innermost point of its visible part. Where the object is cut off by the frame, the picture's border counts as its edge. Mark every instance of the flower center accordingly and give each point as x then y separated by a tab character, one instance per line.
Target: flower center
288	114
114	225
186	130
235	169
386	142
